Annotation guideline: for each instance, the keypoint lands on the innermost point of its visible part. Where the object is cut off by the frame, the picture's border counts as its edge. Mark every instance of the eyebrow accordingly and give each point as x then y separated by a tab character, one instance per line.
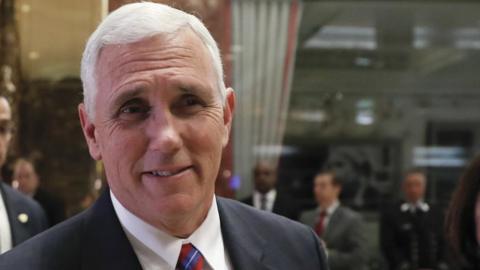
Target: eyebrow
127	95
192	88
189	90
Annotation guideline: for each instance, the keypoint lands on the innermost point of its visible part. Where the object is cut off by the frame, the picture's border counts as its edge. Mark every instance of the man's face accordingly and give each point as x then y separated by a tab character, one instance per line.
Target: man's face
325	191
264	177
414	187
5	129
160	126
26	178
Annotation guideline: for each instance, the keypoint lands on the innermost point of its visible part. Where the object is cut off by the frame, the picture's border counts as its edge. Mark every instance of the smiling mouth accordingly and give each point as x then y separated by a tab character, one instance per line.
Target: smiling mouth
167	173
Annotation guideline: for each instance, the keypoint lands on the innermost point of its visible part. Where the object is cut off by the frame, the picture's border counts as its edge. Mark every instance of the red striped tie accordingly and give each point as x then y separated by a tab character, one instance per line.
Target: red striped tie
190	258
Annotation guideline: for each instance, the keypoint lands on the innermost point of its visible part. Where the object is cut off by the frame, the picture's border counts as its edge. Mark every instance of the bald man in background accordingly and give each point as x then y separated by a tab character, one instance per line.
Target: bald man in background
267	197
411	231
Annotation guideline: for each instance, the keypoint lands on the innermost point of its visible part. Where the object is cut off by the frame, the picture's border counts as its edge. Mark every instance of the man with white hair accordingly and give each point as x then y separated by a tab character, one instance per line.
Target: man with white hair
158	115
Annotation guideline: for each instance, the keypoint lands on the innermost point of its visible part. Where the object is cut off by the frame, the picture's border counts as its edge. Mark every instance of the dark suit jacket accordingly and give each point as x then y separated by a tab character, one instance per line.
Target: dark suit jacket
17	204
53	206
345	238
407	238
284	205
95	240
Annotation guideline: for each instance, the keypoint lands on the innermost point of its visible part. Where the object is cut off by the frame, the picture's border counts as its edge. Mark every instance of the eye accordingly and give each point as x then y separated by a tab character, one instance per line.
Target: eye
188	104
134	110
131	109
191	100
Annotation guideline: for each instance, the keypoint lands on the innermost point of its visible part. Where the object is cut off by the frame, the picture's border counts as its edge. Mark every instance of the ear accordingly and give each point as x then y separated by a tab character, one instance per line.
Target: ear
228	109
89	132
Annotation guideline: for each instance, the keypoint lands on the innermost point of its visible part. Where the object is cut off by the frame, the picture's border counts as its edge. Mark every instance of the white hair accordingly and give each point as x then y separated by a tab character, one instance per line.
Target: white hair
134	22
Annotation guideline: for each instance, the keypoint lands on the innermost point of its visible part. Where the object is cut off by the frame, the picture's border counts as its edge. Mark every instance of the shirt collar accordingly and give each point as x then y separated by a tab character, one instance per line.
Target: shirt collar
331	208
207	238
270	195
420	204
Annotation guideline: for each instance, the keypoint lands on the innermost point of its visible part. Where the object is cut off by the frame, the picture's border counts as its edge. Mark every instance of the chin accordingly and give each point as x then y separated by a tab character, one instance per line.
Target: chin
176	204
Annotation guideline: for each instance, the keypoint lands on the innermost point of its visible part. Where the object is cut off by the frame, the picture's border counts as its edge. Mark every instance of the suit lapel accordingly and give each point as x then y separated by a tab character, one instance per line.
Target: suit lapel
106	245
245	247
249	200
277	204
20	231
334	219
310	217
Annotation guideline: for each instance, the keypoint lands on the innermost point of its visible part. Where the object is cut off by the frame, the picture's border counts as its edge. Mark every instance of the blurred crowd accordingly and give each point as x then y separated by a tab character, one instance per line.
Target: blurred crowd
412	232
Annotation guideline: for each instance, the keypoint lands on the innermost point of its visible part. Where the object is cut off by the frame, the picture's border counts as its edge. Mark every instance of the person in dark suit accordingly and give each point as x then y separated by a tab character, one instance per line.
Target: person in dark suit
157	113
95	240
25	179
411	231
341	228
20	217
266	196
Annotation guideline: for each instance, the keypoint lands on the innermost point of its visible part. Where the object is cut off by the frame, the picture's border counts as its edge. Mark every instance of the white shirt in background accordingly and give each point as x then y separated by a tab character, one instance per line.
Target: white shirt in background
270	199
5	233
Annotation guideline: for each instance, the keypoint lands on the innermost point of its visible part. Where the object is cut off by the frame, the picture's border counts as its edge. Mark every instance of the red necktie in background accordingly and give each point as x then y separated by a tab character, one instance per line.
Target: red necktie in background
319	227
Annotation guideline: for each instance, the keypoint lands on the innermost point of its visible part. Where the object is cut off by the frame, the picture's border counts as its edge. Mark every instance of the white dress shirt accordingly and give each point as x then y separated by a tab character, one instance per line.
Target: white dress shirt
5	233
157	250
269	196
412	207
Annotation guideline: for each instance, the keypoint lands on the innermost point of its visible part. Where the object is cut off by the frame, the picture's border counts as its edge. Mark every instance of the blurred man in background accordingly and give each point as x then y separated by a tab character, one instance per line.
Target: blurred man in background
265	195
20	216
25	179
341	228
411	231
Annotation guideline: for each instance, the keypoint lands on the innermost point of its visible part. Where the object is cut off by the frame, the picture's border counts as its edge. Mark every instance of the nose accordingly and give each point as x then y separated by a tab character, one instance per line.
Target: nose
163	132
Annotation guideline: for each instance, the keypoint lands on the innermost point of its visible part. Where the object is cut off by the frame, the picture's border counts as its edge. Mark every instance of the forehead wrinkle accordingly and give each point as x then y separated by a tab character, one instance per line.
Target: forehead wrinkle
170	57
176	46
160	55
167	59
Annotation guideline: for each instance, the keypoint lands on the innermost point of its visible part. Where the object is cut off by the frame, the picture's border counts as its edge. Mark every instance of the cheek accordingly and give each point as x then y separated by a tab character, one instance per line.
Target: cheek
477	219
204	142
122	150
115	139
205	135
3	144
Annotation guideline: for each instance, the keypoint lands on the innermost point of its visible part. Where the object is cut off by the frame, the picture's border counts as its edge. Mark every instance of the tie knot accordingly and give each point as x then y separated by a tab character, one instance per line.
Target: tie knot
190	258
323	213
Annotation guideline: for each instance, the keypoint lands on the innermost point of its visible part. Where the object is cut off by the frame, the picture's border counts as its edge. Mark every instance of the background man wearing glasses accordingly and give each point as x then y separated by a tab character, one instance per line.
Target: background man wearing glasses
20	216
